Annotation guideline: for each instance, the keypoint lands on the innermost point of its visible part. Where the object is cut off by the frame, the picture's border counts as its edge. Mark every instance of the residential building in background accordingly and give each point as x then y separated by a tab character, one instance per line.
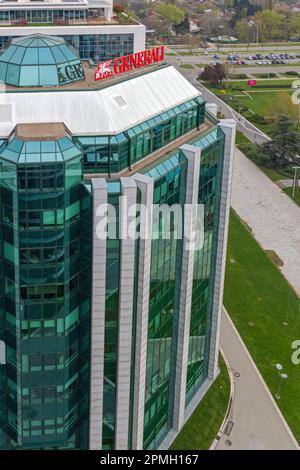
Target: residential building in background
110	343
90	26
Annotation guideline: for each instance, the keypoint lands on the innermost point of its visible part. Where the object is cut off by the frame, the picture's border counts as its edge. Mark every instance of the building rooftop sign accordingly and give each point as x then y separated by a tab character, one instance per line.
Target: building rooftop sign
129	62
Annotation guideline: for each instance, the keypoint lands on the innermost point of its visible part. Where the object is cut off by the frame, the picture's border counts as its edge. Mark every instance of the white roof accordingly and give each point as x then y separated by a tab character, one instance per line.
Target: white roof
99	112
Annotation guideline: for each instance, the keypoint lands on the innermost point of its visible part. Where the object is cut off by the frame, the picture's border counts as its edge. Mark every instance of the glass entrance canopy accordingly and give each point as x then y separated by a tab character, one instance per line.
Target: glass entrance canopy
39	60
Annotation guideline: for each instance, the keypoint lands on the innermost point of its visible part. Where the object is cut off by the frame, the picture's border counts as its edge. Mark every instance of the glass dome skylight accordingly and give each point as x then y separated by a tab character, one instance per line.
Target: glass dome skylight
39	60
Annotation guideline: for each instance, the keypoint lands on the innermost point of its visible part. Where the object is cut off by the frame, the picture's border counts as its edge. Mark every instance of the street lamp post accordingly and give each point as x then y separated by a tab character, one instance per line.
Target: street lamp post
256	27
282	377
295	168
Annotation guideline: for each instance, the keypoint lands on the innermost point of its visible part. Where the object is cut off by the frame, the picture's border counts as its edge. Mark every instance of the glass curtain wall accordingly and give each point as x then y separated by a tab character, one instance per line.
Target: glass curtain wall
212	145
111	323
42	16
111	154
96	47
169	189
101	47
46	293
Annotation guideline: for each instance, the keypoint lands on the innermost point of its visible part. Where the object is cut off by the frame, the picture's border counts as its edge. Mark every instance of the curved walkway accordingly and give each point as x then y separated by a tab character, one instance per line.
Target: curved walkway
254	422
272	216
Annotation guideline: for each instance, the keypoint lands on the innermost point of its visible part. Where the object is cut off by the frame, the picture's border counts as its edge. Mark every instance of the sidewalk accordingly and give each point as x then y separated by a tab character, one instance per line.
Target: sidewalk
257	421
285	183
271	215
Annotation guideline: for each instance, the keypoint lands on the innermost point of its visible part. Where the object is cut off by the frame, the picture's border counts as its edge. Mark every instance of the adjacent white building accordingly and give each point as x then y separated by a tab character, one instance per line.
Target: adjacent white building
90	26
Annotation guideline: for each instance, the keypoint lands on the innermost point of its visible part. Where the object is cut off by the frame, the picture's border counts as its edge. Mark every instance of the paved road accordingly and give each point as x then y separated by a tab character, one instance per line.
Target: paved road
273	217
250	68
257	421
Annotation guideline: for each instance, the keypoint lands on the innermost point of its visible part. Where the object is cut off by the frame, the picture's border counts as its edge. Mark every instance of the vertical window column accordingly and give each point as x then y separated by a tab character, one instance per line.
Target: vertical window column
127	268
190	219
146	186
228	126
98	320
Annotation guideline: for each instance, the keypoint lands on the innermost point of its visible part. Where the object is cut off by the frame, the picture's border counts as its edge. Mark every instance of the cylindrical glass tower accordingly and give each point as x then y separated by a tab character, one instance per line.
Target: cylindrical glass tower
45	291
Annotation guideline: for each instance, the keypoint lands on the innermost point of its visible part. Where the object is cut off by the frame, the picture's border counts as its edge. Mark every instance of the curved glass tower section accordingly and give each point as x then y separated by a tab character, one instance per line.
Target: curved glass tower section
39	60
45	298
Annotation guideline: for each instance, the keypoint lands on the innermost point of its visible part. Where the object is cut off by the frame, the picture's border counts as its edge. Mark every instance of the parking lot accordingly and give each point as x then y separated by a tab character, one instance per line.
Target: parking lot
260	59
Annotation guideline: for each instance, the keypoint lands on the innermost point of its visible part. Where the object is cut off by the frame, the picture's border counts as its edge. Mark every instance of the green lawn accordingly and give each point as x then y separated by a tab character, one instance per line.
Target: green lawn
289	192
241	139
266	312
187	66
273	174
204	424
252	101
263	85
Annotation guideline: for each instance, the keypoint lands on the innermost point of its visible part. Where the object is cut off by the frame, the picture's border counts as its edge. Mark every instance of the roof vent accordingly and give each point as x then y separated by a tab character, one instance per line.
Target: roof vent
120	101
5	112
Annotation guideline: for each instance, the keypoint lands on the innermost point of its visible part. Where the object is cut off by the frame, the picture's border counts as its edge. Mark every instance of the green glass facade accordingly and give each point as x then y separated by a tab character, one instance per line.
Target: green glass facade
46	294
45	299
111	326
212	146
170	184
169	189
111	154
50	182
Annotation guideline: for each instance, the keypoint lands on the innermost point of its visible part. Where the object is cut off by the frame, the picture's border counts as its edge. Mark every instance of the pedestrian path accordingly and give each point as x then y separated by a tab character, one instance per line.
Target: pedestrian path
272	216
285	183
254	421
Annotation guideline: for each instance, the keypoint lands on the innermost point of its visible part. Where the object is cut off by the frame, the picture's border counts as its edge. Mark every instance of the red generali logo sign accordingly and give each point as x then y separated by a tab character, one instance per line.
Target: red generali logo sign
129	62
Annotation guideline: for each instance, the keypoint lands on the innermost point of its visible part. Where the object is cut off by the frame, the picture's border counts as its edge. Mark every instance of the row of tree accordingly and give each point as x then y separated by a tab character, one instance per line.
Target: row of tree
269	25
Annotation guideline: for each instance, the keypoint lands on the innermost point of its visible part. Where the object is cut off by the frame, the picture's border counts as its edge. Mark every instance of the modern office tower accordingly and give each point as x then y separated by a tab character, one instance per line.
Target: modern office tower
90	26
106	342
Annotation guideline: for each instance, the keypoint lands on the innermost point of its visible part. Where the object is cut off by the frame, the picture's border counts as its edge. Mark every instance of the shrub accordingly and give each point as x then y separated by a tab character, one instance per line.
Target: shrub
257	119
279	85
119	8
266	75
292	73
238	76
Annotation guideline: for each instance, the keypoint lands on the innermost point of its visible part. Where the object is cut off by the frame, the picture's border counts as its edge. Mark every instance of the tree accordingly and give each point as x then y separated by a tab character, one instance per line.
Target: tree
215	74
270	24
295	24
284	148
171	12
183	27
242	29
283	102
